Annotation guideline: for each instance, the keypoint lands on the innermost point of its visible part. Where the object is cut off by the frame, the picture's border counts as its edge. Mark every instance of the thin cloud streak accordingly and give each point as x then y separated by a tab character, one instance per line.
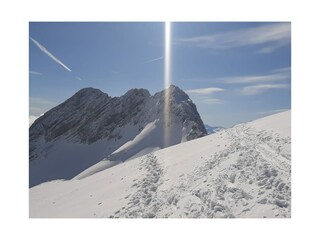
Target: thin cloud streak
205	91
207	100
38	106
257	89
284	69
49	54
152	60
273	35
34	73
276	75
37	100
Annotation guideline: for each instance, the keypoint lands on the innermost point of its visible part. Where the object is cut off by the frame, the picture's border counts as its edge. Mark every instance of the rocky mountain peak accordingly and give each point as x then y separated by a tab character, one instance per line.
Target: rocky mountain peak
93	118
137	92
176	94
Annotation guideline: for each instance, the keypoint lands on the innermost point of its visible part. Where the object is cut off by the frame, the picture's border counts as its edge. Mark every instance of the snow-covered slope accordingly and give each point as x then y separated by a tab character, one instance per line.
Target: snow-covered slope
244	171
212	130
92	126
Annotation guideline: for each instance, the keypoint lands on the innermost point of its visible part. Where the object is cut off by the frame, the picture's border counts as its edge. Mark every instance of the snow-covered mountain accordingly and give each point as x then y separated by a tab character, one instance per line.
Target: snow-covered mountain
92	126
243	171
211	130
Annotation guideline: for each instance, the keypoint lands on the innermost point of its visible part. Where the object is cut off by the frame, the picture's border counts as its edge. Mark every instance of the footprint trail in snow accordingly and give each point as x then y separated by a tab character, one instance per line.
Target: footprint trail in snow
249	178
144	203
243	171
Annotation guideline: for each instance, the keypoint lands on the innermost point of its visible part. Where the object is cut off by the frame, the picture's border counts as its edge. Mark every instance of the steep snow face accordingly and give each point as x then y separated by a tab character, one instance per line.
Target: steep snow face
92	126
244	171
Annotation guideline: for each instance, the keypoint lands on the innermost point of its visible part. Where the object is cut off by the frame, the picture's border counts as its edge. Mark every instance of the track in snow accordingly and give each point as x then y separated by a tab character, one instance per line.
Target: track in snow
239	172
144	202
249	178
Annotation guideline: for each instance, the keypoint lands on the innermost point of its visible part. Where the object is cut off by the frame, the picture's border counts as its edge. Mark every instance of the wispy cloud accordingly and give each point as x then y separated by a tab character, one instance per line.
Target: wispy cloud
207	100
203	95
257	89
205	91
275	75
34	73
38	106
272	111
272	36
269	49
152	60
49	54
284	69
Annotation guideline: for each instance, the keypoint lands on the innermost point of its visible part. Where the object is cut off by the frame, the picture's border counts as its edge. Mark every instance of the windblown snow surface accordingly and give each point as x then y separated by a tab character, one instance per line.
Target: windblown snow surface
244	171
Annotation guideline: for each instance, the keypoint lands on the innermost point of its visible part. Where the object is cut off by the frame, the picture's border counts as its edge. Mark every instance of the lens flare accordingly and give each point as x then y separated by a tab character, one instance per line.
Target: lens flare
167	83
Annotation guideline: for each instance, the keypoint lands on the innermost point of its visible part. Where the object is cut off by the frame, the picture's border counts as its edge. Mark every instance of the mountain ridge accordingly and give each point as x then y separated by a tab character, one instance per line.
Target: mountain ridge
91	118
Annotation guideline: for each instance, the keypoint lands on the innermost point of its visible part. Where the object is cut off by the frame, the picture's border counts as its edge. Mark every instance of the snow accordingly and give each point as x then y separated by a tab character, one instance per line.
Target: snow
147	140
277	122
32	119
244	171
92	128
66	159
212	130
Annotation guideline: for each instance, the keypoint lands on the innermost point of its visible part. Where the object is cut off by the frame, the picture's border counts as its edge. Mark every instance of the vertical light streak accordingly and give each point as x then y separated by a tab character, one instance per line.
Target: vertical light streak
167	83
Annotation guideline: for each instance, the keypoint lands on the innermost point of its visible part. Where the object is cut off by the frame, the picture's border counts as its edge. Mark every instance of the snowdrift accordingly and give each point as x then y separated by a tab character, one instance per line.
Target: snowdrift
244	171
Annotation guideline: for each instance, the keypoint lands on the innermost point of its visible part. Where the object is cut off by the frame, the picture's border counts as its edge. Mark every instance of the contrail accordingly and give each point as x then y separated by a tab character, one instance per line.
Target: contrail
43	49
34	73
153	60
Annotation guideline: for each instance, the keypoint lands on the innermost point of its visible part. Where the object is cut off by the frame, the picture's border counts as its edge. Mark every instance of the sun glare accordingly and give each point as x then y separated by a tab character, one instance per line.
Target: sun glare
167	83
167	57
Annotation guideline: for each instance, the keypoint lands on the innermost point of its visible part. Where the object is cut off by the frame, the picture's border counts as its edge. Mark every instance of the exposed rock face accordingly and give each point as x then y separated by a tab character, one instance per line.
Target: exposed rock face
183	110
90	117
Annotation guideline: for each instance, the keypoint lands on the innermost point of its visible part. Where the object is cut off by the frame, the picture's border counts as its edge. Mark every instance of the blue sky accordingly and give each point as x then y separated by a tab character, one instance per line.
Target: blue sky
234	72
